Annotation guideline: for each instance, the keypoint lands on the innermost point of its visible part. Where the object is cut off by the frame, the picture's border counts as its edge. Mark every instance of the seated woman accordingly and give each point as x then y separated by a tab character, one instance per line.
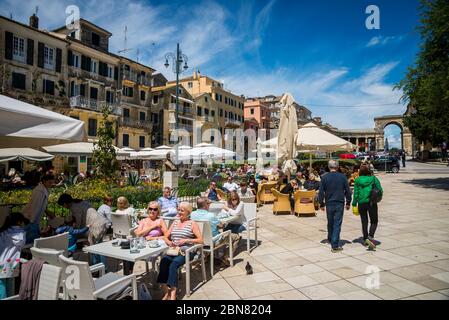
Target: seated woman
153	227
183	234
123	207
234	207
253	185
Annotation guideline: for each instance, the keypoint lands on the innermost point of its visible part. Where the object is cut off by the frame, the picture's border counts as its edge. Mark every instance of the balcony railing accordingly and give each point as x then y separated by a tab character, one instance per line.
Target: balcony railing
137	78
187	127
230	122
207	118
182	109
135	123
94	105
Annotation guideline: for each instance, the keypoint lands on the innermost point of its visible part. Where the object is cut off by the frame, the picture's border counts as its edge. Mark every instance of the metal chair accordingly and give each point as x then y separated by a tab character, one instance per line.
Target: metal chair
49	283
57	242
211	244
250	217
121	225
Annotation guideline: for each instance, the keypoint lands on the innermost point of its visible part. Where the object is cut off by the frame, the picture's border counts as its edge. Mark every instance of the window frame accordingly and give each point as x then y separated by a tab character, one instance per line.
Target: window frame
49	59
19	55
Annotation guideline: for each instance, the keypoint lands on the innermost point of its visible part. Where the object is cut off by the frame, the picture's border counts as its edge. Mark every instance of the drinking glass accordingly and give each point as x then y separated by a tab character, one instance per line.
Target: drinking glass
134	246
142	243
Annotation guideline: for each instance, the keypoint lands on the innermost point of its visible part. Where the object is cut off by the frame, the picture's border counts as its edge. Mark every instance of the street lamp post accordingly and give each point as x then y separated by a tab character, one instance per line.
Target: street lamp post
178	59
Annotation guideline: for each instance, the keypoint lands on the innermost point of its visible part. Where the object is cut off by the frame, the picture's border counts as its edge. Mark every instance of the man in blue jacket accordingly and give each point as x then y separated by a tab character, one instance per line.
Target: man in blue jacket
334	190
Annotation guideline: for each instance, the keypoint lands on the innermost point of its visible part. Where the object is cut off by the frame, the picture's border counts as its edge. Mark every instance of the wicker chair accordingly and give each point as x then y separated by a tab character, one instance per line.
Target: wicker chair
281	202
304	202
265	195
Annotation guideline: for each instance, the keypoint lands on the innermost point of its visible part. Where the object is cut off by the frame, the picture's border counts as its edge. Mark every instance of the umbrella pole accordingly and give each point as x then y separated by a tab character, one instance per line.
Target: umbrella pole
310	162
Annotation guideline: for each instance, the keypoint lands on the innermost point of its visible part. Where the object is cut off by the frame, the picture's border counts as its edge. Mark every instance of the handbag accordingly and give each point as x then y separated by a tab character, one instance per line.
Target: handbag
355	210
173	251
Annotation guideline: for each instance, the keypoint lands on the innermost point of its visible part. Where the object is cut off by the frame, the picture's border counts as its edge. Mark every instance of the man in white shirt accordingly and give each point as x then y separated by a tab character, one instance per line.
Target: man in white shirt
244	192
230	185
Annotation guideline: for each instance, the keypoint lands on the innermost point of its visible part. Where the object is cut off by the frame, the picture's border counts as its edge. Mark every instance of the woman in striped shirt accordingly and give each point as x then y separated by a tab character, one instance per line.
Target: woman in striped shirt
183	233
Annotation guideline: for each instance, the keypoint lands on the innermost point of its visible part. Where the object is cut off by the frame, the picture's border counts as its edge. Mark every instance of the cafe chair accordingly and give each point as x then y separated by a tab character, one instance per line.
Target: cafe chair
79	284
304	202
281	202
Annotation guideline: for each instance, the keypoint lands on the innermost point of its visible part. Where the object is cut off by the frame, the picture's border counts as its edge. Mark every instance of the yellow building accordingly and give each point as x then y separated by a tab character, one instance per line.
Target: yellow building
228	107
72	72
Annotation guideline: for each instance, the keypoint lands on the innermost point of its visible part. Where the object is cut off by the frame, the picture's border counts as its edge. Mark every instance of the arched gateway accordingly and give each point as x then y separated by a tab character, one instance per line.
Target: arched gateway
373	139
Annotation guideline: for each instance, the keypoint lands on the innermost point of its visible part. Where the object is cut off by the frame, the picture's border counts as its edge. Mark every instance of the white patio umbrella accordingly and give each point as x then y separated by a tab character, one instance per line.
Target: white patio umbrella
159	153
207	150
127	149
28	154
26	125
312	138
78	149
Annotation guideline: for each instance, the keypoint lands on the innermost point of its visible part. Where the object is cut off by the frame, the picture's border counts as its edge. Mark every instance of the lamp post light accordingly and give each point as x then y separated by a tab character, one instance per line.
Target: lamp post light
177	59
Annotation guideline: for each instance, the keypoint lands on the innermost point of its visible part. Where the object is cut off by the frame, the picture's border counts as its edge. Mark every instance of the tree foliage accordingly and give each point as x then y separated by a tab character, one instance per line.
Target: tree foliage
426	85
104	156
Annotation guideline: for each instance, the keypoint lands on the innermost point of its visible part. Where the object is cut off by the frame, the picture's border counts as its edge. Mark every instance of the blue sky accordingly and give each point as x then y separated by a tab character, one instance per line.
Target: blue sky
320	51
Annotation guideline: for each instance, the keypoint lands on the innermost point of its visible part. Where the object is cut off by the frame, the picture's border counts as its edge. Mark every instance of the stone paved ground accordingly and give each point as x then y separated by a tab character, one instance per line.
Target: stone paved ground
292	263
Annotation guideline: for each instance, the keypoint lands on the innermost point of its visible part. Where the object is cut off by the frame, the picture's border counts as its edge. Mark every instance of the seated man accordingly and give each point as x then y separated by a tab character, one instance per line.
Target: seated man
168	203
203	214
230	185
312	183
212	193
243	191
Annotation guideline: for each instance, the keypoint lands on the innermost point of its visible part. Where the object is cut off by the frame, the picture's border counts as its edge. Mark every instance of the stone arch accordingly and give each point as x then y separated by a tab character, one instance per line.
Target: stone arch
406	137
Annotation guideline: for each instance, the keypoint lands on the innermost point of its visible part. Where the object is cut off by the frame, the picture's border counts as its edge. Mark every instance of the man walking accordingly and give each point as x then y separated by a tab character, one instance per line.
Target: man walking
334	190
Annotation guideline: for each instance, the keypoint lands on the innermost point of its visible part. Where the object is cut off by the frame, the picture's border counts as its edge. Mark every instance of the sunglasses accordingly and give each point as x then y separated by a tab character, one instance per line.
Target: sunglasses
153	209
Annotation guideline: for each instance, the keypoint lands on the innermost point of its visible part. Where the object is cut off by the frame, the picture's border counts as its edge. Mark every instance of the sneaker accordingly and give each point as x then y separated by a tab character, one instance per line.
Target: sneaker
335	250
370	244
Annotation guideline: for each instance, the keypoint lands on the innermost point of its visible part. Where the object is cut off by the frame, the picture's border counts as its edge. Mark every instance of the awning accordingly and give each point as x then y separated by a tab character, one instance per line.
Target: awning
27	154
26	125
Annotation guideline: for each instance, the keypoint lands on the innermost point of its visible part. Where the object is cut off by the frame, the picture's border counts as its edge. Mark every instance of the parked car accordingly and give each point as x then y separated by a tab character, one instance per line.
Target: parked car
386	163
347	156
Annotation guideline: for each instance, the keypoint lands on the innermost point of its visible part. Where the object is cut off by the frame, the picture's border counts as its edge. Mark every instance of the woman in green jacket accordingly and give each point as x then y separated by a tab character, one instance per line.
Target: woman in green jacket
362	197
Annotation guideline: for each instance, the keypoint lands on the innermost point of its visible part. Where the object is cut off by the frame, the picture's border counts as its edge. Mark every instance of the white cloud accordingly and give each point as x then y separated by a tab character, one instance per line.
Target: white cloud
381	40
334	87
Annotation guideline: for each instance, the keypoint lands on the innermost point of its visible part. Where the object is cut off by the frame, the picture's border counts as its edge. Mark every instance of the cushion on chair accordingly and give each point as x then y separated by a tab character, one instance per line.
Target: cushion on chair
305	200
114	292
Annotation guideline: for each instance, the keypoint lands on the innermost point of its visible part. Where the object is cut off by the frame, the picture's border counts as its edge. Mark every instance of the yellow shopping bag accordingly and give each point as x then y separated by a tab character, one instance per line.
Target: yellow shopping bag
355	210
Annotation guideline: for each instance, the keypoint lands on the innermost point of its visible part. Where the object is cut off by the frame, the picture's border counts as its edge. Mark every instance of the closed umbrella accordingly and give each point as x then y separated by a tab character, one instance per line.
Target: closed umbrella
288	128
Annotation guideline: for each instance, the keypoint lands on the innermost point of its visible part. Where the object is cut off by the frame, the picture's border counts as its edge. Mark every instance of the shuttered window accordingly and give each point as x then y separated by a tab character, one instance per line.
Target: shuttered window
125	140
141	142
48	87
18	81
92	127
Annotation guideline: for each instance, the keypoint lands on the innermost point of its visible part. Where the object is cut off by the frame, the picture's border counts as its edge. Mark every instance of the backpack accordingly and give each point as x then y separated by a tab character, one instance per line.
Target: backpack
376	194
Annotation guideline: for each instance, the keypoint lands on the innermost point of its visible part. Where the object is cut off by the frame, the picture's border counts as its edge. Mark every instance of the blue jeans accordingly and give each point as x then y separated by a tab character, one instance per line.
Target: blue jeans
334	220
32	232
235	228
6	287
168	269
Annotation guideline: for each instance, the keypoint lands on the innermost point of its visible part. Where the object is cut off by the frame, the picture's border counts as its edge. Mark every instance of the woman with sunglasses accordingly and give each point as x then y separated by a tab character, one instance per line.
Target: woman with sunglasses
153	227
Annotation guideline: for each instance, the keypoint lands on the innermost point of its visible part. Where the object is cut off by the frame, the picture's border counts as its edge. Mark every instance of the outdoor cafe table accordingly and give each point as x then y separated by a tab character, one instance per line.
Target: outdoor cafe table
108	250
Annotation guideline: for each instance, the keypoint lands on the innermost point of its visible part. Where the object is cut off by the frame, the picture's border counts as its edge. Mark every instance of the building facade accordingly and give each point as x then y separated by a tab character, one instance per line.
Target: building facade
73	73
258	110
227	107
